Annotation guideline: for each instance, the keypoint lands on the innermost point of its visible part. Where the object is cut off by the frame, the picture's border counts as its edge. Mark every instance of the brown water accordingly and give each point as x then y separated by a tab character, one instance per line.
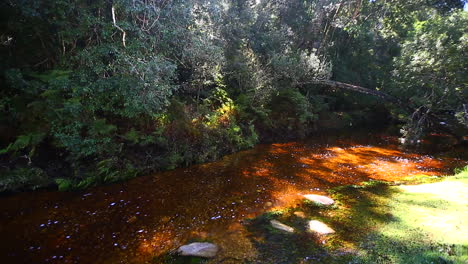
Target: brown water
135	221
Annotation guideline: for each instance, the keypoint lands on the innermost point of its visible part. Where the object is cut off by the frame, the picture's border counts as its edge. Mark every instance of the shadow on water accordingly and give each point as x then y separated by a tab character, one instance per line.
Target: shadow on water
350	223
136	221
355	218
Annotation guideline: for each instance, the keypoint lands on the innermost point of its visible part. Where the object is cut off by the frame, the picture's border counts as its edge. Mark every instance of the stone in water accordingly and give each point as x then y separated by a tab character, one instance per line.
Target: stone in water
319	199
320	228
199	249
300	214
278	225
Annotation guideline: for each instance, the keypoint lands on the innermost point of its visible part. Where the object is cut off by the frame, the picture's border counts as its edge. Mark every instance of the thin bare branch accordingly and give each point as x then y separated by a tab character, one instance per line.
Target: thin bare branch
119	28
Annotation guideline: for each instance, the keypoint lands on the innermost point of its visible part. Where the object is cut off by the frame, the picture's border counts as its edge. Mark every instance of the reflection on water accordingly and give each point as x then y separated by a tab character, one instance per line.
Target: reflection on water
134	221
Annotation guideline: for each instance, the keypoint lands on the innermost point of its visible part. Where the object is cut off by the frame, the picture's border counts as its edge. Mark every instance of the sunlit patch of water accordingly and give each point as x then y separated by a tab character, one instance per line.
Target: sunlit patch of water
152	215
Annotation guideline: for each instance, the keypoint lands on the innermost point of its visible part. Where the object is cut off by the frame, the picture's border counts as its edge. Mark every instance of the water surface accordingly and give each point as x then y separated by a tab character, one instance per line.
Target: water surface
135	221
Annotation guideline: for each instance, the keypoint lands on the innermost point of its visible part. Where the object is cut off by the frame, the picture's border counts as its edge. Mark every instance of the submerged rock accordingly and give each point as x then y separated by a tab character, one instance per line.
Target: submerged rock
300	214
199	249
278	225
320	228
132	220
319	199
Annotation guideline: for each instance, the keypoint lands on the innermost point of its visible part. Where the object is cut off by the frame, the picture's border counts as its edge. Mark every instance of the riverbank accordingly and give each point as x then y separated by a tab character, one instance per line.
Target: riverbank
183	145
376	222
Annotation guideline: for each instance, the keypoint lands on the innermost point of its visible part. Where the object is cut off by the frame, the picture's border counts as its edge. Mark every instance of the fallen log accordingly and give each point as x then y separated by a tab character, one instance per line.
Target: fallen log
356	88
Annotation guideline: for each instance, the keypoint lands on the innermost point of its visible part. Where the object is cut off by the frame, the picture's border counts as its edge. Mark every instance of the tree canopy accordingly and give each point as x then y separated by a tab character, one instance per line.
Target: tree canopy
98	91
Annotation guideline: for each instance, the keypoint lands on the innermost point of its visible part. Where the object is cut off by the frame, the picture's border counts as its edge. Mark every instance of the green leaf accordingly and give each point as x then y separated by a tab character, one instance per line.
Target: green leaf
100	127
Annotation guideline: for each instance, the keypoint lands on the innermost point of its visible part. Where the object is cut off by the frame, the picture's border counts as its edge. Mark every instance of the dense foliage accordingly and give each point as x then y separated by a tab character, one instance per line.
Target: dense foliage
99	91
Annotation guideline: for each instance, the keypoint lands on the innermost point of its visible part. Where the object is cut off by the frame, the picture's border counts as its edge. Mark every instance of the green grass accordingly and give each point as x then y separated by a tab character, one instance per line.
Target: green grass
376	223
430	224
424	221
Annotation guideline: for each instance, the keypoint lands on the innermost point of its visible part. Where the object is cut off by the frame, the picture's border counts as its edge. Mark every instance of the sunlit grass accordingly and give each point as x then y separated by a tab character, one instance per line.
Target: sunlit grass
377	222
429	226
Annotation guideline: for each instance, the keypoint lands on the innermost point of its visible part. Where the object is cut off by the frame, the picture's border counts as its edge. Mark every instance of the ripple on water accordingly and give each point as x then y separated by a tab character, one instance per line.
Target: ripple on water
150	215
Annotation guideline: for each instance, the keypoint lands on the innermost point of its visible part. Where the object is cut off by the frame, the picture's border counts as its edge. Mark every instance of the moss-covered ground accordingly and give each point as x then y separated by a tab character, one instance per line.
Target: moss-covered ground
420	220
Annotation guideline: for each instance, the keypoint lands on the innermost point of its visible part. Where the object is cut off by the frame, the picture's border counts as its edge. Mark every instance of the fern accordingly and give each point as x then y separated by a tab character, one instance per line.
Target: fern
64	184
100	127
24	141
52	75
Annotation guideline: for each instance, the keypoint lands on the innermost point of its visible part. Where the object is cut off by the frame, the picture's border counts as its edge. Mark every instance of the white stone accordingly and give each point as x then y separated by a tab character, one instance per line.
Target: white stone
199	249
319	199
278	225
320	228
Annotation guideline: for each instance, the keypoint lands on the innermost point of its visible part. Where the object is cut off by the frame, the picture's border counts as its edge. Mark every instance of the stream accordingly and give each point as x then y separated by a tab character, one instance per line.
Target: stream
134	221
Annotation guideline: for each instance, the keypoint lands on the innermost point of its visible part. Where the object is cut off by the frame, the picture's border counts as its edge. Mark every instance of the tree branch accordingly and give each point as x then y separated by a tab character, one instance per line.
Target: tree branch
347	86
119	28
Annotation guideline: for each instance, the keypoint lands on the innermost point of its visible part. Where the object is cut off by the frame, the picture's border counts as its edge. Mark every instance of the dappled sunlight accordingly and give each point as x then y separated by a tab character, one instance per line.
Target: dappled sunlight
441	190
276	176
379	163
285	196
446	194
149	216
159	243
425	219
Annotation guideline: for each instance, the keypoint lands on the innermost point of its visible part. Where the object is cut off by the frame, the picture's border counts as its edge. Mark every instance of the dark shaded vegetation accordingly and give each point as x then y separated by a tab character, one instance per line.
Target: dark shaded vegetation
174	258
102	91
